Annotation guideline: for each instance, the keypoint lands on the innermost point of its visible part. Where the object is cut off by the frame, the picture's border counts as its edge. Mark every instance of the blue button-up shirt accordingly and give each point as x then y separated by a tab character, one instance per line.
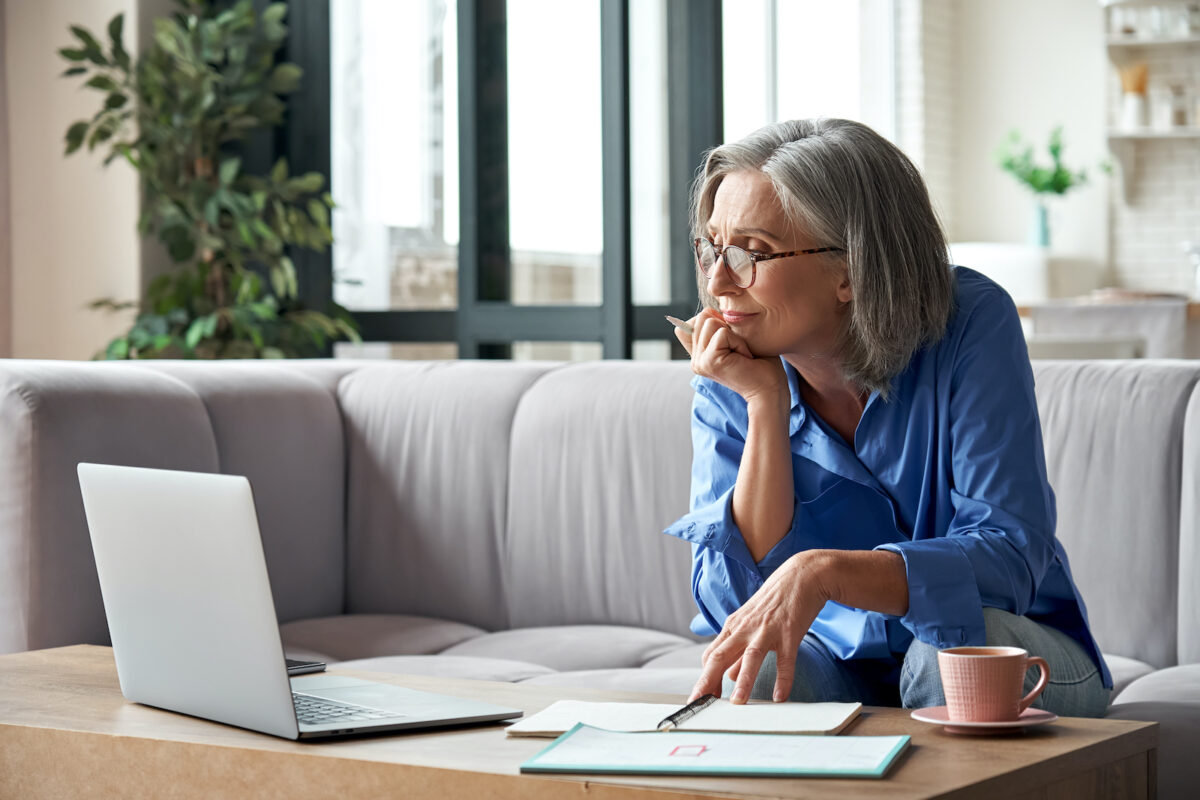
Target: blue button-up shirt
949	472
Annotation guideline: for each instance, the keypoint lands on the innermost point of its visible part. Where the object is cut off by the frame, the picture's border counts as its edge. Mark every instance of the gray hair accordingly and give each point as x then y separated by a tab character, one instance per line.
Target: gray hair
849	187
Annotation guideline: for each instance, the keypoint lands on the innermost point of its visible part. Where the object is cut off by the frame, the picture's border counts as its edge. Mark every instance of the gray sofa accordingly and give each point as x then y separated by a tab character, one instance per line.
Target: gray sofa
502	520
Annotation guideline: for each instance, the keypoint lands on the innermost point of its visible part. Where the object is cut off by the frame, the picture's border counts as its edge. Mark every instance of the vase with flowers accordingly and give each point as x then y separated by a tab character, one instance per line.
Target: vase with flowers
1016	157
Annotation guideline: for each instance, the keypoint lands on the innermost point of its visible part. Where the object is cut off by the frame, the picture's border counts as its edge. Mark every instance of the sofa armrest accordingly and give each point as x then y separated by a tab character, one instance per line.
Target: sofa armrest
52	416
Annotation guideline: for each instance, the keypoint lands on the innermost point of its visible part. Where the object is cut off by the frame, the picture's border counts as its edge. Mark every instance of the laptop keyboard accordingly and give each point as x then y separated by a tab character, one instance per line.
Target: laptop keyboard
320	711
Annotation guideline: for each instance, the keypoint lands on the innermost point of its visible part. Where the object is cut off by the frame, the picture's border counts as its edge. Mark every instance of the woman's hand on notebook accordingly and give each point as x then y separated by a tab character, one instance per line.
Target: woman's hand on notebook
775	618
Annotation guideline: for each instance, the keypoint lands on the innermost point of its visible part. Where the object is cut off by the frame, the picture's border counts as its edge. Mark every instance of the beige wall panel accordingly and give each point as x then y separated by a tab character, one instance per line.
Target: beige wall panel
73	222
1030	65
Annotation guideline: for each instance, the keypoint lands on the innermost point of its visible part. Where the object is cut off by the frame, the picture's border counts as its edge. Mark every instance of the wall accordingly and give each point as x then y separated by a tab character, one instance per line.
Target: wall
926	56
1030	65
6	303
73	222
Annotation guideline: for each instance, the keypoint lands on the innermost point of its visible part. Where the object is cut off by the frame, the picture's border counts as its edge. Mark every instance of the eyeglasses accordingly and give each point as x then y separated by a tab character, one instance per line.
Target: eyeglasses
742	264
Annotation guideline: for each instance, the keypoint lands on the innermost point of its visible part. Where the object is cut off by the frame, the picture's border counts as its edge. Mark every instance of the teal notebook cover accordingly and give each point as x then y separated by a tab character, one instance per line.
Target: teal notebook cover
588	750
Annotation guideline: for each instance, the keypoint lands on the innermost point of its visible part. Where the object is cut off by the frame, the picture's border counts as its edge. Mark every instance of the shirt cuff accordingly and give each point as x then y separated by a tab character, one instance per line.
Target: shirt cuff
712	526
944	607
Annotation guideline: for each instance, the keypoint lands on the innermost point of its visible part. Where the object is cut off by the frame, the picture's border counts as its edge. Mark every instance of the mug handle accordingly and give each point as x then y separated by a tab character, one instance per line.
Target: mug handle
1041	664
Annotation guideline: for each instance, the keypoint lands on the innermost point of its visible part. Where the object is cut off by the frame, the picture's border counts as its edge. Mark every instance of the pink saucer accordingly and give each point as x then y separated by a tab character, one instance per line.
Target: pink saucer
938	716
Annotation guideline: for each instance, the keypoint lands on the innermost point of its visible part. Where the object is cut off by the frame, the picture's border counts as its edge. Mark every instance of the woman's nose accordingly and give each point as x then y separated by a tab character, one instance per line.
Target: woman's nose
719	280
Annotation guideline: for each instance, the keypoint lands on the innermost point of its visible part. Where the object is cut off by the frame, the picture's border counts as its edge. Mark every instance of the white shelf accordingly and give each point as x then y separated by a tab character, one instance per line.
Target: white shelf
1123	146
1152	133
1111	3
1132	42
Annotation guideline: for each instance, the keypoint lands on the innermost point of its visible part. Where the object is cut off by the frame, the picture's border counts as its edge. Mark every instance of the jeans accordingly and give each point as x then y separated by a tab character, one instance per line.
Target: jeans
1075	687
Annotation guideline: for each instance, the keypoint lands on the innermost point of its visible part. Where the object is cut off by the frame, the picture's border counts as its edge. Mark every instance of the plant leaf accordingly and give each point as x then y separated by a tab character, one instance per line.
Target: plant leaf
117	349
73	71
119	54
274	13
279	172
195	333
103	83
85	37
75	136
285	78
71	54
229	170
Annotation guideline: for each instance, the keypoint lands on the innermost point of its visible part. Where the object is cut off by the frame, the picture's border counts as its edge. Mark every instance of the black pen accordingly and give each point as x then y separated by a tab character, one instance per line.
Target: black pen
687	712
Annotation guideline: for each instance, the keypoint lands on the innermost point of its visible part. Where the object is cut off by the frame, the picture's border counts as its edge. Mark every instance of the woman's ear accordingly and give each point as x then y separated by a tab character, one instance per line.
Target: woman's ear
844	293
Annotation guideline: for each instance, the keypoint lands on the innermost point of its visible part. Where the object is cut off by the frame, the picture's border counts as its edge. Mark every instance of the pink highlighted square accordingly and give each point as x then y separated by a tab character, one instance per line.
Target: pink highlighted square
687	750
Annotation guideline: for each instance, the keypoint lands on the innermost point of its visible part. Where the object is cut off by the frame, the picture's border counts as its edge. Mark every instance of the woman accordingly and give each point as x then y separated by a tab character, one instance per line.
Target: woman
868	483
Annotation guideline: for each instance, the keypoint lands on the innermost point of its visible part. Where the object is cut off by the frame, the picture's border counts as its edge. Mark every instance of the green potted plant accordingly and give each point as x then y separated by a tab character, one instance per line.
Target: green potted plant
1015	157
209	80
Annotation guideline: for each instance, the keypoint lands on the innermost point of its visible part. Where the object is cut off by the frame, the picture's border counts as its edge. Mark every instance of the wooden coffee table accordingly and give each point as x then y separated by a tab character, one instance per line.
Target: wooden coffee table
66	731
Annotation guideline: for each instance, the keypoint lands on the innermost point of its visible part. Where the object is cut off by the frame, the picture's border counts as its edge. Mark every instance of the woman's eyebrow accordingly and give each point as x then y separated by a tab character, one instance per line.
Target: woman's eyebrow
756	233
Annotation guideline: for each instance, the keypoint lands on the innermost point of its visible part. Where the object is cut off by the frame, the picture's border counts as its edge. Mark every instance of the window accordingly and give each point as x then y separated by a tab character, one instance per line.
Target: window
512	177
794	59
394	143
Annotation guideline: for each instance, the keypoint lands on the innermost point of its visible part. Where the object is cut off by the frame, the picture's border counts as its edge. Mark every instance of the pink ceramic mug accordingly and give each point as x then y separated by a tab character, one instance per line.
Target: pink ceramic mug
983	684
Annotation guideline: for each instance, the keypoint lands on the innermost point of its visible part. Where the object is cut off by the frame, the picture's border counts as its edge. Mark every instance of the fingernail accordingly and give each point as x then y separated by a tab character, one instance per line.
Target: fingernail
779	698
738	697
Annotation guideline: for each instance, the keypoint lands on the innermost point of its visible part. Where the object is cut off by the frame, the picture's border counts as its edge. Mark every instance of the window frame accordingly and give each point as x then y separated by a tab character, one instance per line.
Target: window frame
486	322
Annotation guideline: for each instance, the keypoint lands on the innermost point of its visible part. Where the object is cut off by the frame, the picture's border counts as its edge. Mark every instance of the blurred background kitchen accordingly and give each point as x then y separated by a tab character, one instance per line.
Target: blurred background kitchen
526	198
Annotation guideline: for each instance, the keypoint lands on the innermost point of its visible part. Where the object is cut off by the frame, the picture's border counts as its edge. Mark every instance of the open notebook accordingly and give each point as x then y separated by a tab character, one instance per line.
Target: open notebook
722	716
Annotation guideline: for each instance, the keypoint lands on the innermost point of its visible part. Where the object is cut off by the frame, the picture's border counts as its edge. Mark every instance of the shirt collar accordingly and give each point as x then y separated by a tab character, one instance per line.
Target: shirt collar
818	445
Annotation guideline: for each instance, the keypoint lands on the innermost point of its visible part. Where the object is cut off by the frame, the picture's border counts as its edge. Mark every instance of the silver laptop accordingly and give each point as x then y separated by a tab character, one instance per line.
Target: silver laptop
193	622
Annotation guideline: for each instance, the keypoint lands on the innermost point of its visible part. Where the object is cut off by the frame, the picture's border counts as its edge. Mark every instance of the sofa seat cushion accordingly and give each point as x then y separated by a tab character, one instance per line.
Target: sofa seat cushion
1173	684
353	636
1125	671
479	669
689	657
678	681
573	647
1178	740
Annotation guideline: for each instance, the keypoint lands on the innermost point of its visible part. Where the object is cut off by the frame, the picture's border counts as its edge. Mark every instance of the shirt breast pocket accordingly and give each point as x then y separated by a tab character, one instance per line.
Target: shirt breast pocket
847	516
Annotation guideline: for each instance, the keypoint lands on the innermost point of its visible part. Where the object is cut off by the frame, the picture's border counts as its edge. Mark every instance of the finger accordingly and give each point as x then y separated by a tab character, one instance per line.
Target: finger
785	665
685	339
717	642
725	339
732	672
704	333
752	659
705	685
715	664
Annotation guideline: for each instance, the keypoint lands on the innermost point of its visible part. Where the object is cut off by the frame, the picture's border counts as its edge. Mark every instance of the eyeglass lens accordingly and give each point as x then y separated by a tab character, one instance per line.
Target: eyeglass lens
740	265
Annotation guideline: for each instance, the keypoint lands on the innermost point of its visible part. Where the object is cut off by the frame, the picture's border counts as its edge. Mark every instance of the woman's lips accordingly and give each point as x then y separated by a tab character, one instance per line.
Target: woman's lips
735	317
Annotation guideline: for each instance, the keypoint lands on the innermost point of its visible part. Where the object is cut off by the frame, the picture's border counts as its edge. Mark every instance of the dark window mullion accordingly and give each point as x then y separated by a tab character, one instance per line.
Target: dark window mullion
695	122
484	261
306	136
614	98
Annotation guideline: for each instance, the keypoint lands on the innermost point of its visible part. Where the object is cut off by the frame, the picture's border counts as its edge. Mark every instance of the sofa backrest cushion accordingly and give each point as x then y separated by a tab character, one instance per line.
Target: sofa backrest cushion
601	462
1113	433
281	428
427	474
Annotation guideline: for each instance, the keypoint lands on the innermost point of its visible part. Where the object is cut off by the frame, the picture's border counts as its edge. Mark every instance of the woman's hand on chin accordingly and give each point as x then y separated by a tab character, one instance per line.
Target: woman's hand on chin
775	619
720	354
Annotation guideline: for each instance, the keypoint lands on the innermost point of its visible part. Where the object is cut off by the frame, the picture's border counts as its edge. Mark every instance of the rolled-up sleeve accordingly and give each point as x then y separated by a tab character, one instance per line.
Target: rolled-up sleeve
724	573
1000	539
